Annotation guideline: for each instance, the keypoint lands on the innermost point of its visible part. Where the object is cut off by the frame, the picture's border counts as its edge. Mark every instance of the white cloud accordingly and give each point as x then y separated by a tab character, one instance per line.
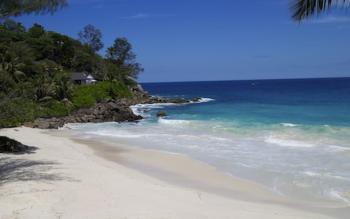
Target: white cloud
137	16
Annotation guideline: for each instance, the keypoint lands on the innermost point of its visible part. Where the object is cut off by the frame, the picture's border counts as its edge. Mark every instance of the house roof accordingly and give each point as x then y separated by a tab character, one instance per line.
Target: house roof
81	76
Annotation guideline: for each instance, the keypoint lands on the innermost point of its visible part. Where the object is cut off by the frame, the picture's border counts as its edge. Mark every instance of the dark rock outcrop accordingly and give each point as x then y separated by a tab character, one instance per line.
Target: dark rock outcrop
108	111
8	145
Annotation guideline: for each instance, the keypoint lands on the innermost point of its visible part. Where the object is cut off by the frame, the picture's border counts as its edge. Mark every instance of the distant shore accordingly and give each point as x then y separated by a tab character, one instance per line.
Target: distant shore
69	178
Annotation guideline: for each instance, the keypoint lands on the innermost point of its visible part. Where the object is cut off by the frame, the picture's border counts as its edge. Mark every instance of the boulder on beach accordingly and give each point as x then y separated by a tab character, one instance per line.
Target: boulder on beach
8	145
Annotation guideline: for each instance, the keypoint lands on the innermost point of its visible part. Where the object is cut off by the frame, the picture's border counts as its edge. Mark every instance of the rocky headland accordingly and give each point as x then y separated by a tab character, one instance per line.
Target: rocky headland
113	110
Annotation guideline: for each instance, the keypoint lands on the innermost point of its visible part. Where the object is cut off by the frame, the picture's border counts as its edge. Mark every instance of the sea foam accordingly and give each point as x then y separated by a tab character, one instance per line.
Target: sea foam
173	121
287	142
289	125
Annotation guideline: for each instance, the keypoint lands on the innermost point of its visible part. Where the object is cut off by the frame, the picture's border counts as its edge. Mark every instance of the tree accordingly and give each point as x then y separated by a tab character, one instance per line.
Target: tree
63	86
302	9
91	36
14	59
13	26
36	31
63	49
123	57
121	52
9	8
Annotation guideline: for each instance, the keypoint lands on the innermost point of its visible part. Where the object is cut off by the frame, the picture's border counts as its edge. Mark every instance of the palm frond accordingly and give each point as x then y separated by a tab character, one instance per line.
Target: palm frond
302	9
10	8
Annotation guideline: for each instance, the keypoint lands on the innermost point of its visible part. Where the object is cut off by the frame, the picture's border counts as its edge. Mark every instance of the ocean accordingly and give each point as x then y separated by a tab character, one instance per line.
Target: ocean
292	136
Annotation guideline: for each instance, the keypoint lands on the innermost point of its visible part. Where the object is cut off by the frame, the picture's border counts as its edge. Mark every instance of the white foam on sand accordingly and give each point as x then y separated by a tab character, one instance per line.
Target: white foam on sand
336	195
263	157
88	181
117	134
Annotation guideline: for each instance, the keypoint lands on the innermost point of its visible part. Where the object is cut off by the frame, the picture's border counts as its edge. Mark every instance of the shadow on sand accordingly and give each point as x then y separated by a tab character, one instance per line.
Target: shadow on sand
14	170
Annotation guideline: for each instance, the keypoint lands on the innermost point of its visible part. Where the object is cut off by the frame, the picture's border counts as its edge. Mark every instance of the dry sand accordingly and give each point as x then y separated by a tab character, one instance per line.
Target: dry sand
66	178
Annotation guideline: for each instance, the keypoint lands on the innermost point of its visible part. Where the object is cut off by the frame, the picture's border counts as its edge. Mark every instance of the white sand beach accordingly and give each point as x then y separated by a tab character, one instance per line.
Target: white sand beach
66	178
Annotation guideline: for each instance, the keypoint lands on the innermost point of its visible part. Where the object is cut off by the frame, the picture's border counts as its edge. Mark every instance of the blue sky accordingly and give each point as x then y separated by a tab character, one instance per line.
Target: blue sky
191	40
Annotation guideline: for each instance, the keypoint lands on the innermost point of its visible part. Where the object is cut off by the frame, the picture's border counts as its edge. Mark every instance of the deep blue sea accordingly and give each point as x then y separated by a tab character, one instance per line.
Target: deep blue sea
292	136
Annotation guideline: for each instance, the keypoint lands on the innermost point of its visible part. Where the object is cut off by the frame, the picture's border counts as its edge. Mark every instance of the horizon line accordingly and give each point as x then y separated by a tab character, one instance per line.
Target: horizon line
263	79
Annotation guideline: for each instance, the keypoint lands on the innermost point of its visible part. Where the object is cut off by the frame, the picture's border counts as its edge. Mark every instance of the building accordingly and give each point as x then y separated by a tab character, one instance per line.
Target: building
82	78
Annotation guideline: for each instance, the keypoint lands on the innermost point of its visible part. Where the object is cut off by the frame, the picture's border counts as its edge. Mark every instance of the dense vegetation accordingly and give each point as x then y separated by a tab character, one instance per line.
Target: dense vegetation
36	67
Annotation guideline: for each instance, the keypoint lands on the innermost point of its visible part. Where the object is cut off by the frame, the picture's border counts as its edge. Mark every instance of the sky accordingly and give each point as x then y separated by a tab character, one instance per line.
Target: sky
198	40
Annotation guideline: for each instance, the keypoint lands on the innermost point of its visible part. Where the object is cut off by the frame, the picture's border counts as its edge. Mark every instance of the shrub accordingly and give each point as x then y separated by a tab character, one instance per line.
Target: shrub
14	112
53	108
88	95
83	97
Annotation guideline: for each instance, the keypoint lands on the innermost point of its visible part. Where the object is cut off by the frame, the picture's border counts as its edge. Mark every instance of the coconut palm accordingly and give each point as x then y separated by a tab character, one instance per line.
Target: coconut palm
304	8
63	86
9	8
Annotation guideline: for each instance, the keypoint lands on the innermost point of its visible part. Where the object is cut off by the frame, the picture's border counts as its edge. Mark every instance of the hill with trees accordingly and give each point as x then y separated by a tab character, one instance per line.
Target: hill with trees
36	67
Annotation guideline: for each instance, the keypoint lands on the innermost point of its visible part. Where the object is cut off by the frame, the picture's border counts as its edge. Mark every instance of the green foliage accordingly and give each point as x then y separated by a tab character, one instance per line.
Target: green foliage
10	8
91	36
84	96
36	67
14	112
87	95
84	59
63	86
119	90
36	31
302	9
121	55
63	49
53	108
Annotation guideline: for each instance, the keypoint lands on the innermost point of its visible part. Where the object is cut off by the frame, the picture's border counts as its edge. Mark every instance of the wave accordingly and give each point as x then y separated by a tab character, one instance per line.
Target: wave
336	148
142	109
119	134
338	196
287	142
173	121
203	100
289	125
325	175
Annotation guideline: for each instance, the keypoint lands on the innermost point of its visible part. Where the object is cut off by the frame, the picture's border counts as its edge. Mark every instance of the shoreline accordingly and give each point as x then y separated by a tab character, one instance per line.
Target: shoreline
182	170
123	182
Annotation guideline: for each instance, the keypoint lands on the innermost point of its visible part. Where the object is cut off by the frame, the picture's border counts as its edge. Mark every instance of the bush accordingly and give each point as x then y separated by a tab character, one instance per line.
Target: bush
87	95
14	112
53	108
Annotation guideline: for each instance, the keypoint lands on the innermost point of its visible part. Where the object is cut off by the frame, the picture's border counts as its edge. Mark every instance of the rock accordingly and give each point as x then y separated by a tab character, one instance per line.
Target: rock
48	123
196	99
108	110
105	111
8	145
152	100
161	114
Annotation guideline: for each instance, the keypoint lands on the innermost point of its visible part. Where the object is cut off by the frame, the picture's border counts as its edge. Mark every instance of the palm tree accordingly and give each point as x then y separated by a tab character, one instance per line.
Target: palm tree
304	8
9	8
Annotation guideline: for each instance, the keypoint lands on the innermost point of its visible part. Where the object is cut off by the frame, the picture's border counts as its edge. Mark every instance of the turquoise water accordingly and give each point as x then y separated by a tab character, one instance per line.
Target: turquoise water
293	136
